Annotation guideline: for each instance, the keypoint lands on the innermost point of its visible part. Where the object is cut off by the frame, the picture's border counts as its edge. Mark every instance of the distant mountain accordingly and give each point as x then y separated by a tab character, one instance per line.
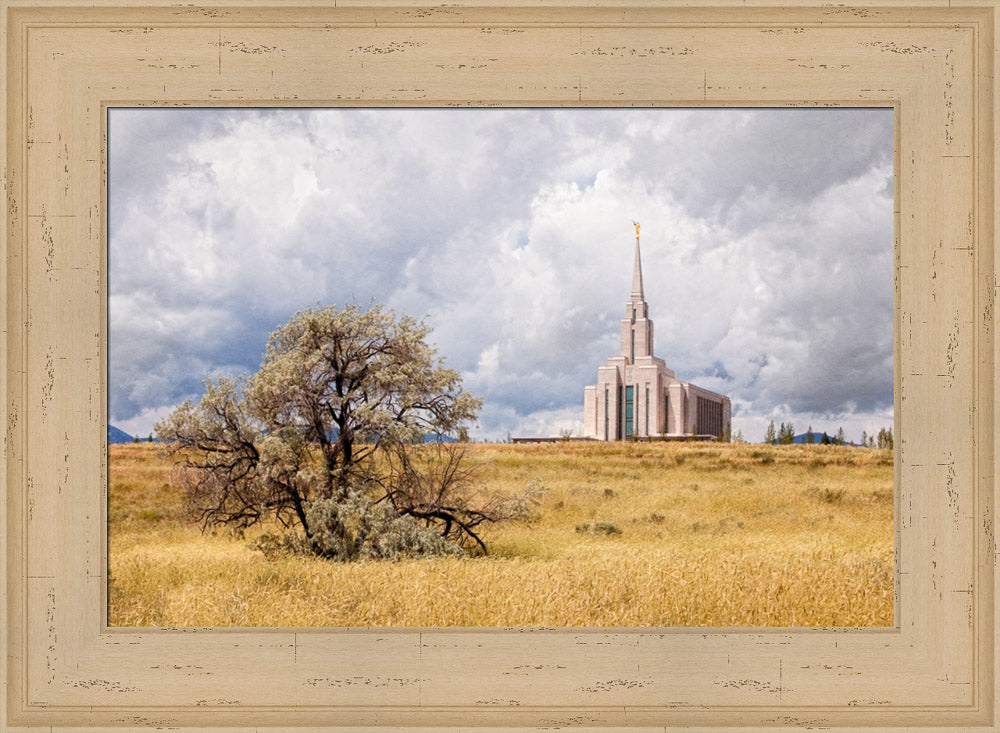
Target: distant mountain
439	438
817	437
118	436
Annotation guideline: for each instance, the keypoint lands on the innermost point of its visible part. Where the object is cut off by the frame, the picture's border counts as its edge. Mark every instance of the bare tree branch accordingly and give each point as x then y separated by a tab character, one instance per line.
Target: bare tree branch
336	389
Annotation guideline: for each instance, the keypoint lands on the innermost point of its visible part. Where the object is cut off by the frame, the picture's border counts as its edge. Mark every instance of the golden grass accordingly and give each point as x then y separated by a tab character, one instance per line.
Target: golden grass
658	534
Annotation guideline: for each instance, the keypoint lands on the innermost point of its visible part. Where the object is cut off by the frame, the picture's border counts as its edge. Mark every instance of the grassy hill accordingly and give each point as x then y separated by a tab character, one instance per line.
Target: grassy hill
649	534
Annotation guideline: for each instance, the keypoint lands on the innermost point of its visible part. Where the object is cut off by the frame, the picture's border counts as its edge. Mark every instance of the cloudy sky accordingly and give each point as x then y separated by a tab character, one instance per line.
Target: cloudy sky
766	245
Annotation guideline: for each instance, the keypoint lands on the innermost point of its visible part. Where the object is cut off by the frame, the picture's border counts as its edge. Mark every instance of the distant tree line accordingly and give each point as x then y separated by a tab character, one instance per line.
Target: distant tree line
785	435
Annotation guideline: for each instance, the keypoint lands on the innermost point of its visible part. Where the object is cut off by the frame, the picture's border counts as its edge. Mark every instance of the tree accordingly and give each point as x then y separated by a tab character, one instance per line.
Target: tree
786	434
434	484
810	438
826	439
319	439
769	437
885	438
840	439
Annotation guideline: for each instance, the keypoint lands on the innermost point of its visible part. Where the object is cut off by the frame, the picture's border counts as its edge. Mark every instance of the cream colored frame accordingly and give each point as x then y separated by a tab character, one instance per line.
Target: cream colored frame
934	62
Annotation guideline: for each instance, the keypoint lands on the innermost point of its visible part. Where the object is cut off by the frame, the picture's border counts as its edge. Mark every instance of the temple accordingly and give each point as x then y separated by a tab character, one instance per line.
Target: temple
637	396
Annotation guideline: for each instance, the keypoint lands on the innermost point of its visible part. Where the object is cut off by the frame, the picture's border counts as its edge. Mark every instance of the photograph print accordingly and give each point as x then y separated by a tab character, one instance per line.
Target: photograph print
384	367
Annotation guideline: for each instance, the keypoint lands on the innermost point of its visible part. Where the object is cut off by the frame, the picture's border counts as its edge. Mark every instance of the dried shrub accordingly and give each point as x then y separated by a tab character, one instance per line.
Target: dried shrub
826	495
606	528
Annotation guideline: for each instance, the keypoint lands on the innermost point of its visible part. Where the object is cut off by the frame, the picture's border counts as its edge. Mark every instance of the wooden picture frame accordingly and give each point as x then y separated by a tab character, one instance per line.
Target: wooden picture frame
934	62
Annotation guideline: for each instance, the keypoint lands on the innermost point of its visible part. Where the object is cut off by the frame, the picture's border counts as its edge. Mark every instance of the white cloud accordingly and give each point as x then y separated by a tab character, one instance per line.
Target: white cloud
766	235
141	425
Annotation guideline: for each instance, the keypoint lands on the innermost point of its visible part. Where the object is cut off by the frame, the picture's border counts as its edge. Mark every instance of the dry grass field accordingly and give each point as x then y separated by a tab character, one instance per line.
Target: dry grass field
625	534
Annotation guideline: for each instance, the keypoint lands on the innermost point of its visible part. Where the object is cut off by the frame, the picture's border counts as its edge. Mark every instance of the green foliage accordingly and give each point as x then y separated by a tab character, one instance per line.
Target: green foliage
356	527
352	380
770	436
884	439
299	441
786	434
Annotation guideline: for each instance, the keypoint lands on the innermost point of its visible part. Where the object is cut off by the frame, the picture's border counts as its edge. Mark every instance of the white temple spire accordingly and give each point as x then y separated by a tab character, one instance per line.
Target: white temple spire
637	294
637	396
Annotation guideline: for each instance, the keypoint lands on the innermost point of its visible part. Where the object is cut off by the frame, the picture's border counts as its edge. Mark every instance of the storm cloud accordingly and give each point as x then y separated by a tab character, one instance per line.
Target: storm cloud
766	238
